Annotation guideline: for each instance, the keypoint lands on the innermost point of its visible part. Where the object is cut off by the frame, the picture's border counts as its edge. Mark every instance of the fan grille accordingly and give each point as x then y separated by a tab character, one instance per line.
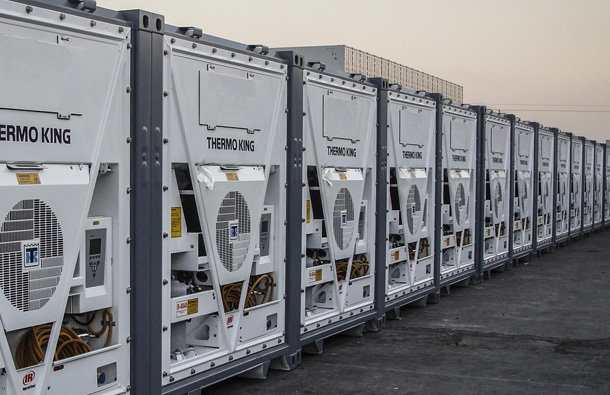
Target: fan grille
461	208
498	202
414	214
343	218
233	231
31	254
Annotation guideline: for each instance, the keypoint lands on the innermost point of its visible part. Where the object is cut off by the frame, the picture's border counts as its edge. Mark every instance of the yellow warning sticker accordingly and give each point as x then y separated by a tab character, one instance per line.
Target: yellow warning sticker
342	176
193	306
28	178
176	222
232	177
396	255
308	213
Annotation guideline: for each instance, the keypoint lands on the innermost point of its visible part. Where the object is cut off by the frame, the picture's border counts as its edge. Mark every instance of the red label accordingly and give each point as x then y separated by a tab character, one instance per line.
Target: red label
29	377
229	320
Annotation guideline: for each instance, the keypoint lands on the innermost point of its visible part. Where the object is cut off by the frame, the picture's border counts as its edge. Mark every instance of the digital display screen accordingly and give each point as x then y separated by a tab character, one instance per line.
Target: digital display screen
265	227
95	246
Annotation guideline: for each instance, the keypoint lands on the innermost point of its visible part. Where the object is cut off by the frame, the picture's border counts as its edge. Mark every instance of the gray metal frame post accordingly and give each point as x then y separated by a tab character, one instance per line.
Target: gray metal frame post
511	189
571	136
146	229
294	201
479	218
438	184
381	209
604	185
537	127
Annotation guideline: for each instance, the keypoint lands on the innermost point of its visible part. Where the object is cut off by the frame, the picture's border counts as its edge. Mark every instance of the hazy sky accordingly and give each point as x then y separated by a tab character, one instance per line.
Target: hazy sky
543	60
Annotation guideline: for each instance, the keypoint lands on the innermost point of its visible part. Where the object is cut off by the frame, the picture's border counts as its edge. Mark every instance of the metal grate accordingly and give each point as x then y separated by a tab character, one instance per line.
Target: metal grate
414	213
31	254
498	202
524	199
461	208
343	218
233	226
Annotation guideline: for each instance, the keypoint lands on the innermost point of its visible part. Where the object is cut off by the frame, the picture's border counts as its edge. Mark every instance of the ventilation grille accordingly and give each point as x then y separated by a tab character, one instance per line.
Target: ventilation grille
524	199
343	218
31	255
233	231
414	213
461	208
498	203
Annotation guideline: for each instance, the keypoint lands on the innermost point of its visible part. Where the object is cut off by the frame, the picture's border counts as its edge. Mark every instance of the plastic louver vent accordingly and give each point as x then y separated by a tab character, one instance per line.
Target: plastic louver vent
31	255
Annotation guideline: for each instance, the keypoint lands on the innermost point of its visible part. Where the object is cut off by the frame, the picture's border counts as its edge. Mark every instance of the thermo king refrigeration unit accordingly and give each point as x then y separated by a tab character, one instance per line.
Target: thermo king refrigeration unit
598	186
588	181
410	245
65	207
545	188
576	187
494	129
339	129
224	109
456	210
562	188
523	189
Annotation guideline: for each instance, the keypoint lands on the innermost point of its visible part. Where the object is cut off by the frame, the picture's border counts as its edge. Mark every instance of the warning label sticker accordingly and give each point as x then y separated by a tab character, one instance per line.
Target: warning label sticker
28	178
182	308
342	176
308	216
187	307
193	306
232	177
315	275
176	222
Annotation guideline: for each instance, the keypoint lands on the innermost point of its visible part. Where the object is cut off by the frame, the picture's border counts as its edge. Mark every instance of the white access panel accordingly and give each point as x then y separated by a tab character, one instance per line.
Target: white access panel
546	177
576	187
339	132
458	191
562	211
411	172
588	185
224	206
64	212
523	199
598	212
497	190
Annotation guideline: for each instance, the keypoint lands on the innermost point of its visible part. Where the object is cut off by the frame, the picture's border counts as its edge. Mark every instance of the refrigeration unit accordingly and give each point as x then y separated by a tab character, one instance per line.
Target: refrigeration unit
65	207
338	210
576	187
523	189
588	185
456	209
410	247
223	208
598	186
607	185
562	188
545	190
495	129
